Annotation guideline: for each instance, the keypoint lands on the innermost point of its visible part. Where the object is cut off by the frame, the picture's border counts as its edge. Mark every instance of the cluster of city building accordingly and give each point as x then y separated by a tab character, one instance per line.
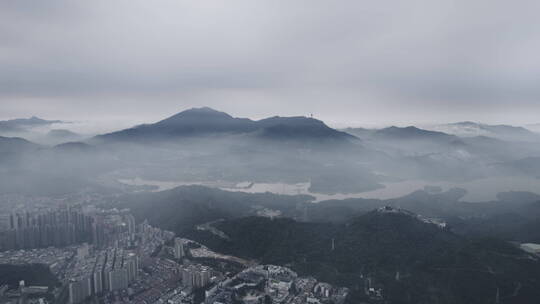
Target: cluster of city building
123	262
114	261
103	271
273	284
110	262
62	227
193	275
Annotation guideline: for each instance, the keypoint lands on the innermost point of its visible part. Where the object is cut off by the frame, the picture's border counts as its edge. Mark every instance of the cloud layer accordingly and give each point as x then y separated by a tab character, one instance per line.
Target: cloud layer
363	62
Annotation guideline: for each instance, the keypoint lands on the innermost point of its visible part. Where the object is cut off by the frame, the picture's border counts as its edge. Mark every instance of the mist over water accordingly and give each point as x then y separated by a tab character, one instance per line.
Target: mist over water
482	190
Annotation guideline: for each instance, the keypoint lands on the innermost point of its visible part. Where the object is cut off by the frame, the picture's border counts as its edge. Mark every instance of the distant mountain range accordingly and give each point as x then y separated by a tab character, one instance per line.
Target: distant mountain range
209	122
203	144
464	141
21	124
399	133
449	132
38	130
471	129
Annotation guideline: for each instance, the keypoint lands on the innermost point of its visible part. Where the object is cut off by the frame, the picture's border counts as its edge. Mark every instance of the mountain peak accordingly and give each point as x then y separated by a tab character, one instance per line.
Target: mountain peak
191	122
203	110
204	120
197	115
299	127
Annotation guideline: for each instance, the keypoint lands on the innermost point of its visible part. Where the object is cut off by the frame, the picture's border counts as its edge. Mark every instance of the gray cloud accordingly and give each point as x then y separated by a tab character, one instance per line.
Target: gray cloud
345	61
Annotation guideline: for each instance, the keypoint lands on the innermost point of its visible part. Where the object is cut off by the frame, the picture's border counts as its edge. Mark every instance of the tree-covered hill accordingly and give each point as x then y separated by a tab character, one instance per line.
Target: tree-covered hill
183	207
412	261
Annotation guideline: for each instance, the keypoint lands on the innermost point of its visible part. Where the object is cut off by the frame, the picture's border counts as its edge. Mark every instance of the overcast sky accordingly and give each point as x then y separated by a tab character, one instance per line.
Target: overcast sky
347	62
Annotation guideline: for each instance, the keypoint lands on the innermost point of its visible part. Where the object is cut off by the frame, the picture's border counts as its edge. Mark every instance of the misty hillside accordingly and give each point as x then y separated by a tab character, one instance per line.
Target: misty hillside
63	135
411	133
183	207
15	145
415	152
22	124
205	145
298	128
193	122
41	131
